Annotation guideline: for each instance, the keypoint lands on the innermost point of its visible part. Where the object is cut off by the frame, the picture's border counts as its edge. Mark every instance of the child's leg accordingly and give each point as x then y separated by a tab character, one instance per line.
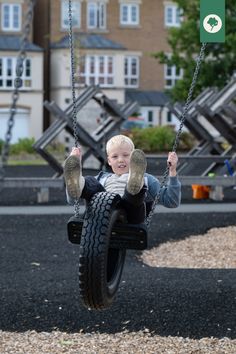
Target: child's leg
137	168
78	186
91	187
73	176
135	206
135	191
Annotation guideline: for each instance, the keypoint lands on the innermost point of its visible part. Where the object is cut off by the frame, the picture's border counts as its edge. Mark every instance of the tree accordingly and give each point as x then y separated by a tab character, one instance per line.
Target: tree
220	58
212	22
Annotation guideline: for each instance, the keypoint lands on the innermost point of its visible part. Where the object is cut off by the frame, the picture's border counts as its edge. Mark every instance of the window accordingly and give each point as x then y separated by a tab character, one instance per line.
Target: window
76	11
96	70
8	73
150	118
96	17
129	14
131	124
172	74
11	17
169	117
21	123
131	71
172	16
27	80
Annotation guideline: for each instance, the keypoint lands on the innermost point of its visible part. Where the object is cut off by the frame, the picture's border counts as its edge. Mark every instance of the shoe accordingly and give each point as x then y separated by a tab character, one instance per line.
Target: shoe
73	176
138	165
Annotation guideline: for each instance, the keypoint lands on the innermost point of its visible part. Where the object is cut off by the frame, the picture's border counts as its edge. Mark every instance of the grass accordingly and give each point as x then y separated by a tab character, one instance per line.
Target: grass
22	153
12	162
25	159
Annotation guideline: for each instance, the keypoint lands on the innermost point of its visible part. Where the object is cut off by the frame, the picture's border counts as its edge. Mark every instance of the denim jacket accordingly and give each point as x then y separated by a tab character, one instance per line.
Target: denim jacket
170	195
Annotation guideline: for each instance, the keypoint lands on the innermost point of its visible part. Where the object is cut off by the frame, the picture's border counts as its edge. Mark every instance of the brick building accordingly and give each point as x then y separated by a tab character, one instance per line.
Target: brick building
114	41
28	117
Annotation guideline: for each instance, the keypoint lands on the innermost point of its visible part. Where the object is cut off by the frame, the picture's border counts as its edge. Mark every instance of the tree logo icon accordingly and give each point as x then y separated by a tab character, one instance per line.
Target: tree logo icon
212	23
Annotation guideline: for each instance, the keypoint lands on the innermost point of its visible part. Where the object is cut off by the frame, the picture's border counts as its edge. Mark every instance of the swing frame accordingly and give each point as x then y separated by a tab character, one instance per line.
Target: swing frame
123	235
103	234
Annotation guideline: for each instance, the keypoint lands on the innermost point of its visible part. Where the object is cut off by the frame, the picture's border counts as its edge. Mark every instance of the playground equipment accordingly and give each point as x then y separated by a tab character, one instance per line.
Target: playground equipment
215	111
115	116
217	108
101	259
213	153
103	234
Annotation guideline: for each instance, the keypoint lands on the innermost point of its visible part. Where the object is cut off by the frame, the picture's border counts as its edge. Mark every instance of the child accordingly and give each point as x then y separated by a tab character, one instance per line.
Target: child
129	179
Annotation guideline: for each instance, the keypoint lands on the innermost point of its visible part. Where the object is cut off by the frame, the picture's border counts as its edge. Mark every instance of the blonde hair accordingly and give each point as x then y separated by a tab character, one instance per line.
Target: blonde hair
118	140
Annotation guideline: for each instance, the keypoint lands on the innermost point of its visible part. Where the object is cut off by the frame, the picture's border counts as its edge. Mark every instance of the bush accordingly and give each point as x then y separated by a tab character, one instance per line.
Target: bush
1	145
56	148
154	139
24	145
160	139
186	142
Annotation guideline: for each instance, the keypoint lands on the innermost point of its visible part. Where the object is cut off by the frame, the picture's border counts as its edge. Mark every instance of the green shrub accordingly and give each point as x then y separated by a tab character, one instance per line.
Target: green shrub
186	142
56	148
154	139
160	139
1	145
24	145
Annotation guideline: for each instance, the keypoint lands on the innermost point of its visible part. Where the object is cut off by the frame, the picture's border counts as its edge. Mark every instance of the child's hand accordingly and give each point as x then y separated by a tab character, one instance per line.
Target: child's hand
172	163
76	151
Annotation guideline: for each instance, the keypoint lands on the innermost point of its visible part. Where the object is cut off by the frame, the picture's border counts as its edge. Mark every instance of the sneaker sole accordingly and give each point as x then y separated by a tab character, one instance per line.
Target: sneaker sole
72	172
138	165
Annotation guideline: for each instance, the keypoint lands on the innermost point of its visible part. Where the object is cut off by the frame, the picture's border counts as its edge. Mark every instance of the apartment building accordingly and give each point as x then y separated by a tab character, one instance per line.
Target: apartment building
114	42
28	117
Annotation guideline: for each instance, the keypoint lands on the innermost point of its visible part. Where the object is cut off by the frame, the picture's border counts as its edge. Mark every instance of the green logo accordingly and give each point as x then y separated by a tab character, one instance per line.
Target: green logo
212	21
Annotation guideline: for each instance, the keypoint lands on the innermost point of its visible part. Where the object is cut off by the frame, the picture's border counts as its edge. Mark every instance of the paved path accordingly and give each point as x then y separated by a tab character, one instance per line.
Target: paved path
39	282
64	209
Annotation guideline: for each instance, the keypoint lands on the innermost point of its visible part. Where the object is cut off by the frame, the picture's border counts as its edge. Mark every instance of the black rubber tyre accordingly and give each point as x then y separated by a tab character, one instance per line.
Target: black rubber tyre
100	267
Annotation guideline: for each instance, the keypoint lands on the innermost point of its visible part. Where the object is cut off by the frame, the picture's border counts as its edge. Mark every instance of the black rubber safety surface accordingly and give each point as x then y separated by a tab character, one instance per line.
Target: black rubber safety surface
39	283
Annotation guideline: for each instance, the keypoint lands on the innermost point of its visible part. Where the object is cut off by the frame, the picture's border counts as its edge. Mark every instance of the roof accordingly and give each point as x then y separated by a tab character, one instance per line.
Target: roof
88	41
147	98
13	43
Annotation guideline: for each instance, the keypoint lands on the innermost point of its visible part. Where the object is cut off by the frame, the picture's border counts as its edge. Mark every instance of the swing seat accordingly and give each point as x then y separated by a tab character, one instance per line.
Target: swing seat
123	236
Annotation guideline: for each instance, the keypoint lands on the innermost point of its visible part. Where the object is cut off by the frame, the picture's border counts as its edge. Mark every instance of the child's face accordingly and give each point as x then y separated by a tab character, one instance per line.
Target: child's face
119	158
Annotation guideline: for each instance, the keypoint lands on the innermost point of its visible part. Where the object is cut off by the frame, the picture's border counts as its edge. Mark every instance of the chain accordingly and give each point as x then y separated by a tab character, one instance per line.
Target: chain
74	111
177	137
17	85
72	56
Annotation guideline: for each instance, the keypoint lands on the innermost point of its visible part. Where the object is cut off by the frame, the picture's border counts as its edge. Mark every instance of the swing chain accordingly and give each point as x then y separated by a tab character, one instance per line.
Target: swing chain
178	134
17	85
189	97
74	110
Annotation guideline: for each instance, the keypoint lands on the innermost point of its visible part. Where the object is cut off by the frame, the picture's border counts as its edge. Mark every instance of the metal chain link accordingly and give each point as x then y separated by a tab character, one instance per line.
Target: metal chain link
177	137
74	111
72	57
17	85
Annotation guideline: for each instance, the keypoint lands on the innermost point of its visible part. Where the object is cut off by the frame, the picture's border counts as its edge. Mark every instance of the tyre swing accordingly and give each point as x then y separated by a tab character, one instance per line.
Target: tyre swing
103	233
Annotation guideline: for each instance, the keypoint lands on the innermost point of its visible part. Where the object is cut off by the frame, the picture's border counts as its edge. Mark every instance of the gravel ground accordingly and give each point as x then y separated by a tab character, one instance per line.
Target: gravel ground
120	343
213	249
